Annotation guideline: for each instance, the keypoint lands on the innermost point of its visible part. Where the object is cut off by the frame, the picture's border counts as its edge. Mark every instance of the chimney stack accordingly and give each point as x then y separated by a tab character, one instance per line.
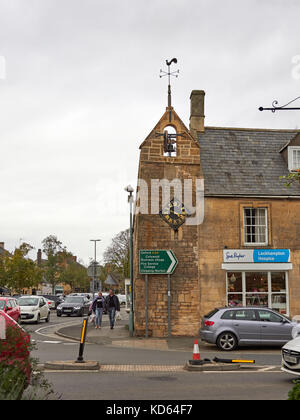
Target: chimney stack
197	111
39	257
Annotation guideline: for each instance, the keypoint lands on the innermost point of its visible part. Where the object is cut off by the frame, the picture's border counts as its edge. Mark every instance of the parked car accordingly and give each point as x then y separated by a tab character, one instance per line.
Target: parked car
74	305
229	328
89	296
122	299
10	306
53	300
290	353
34	308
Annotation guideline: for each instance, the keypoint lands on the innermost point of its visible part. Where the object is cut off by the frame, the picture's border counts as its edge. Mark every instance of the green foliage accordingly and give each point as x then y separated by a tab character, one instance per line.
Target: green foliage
294	393
17	271
291	178
117	255
12	382
75	275
20	377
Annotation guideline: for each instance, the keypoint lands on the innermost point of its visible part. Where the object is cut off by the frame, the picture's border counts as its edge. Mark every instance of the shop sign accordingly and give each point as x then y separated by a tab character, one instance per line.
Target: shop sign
256	255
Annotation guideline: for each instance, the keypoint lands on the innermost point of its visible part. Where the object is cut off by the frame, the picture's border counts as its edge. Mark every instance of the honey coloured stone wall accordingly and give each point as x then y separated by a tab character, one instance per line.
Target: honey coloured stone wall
223	227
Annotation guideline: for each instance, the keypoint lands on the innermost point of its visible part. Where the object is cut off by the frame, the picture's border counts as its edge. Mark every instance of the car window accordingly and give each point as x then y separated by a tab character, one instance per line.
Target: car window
269	316
2	304
28	301
245	314
74	299
228	315
9	304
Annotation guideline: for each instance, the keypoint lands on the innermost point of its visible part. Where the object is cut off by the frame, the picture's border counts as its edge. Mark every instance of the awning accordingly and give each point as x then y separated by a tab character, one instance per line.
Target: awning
257	266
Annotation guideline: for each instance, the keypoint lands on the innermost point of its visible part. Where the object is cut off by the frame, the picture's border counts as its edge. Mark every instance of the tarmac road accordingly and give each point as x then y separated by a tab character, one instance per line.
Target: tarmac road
123	359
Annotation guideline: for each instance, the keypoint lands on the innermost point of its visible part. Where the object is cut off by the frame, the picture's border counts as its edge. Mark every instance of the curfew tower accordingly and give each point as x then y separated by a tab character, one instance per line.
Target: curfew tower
168	203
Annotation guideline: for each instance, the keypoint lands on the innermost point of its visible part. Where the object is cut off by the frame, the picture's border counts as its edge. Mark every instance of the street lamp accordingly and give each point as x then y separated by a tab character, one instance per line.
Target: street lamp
130	190
95	265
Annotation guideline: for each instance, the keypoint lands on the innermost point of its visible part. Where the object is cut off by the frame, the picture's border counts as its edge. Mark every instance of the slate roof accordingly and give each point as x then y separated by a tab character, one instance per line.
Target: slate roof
245	161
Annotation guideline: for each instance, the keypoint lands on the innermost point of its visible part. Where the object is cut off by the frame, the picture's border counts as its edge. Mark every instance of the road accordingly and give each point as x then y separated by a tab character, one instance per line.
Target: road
166	381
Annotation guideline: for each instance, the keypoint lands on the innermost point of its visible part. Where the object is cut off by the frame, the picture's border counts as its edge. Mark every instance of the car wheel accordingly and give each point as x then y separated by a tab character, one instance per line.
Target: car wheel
48	317
58	314
227	341
38	319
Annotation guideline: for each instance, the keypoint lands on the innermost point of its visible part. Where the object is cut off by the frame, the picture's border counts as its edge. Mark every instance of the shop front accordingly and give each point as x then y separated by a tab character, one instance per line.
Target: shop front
257	277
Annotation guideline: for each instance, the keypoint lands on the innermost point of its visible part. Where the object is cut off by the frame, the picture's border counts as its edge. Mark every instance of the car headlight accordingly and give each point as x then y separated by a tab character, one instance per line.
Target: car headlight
59	307
77	307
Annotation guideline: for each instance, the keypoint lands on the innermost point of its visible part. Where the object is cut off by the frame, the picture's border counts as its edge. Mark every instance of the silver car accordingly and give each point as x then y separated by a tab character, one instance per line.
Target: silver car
229	328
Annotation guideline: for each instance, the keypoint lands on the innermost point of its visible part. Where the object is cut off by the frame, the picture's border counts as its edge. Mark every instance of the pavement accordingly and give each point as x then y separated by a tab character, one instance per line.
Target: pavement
120	337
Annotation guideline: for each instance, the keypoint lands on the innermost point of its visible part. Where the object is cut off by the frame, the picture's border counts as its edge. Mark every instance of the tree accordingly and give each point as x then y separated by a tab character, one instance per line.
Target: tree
18	271
117	255
57	256
75	275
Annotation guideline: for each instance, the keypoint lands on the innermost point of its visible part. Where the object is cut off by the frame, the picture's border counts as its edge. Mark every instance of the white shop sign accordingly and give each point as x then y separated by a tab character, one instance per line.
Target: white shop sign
256	256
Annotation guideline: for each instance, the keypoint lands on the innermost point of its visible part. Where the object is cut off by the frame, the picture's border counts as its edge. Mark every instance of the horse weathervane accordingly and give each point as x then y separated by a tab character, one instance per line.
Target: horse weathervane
169	74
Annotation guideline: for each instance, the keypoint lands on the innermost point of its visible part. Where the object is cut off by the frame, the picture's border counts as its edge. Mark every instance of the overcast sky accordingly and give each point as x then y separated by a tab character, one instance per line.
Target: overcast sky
80	91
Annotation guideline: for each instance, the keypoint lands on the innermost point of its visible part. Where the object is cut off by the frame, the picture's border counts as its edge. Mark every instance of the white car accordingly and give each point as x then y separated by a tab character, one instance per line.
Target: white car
290	352
122	299
34	309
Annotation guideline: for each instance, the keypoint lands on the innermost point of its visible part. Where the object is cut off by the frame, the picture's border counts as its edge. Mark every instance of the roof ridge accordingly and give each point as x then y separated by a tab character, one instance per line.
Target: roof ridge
280	130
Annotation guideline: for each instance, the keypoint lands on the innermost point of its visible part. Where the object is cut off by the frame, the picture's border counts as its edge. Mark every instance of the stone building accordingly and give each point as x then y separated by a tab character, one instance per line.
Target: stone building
214	197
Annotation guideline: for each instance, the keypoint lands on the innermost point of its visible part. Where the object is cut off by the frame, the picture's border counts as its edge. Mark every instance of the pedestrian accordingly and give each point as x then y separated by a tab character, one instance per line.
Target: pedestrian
98	306
112	305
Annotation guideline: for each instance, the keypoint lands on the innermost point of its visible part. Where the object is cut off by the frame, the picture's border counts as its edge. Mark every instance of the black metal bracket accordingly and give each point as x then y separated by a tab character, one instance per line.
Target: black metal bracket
280	108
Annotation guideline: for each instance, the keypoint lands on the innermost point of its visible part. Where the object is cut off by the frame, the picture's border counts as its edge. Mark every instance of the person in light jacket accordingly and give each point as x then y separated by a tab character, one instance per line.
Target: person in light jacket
112	305
98	306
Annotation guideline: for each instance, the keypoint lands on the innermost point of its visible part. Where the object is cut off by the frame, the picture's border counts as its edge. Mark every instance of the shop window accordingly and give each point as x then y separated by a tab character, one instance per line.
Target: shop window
256	282
255	226
264	289
235	289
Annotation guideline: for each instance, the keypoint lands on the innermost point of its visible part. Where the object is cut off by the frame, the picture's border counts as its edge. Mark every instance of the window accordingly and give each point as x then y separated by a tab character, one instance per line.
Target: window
228	315
269	316
255	226
245	315
294	158
262	289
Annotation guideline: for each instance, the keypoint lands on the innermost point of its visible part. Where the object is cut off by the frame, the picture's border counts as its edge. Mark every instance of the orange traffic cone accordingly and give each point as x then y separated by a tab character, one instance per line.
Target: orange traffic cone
196	352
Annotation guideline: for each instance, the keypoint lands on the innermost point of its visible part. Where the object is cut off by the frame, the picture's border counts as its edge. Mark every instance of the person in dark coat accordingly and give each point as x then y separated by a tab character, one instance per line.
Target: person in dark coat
112	305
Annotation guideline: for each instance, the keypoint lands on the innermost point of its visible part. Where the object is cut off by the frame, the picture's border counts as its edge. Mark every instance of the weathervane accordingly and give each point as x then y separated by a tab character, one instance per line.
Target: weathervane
169	74
280	108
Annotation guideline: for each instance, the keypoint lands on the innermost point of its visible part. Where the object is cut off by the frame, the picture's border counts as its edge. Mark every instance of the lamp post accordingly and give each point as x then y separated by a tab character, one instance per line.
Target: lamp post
95	263
130	190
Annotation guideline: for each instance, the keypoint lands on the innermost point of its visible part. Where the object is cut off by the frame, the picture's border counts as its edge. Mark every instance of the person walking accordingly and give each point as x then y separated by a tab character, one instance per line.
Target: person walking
98	306
112	305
